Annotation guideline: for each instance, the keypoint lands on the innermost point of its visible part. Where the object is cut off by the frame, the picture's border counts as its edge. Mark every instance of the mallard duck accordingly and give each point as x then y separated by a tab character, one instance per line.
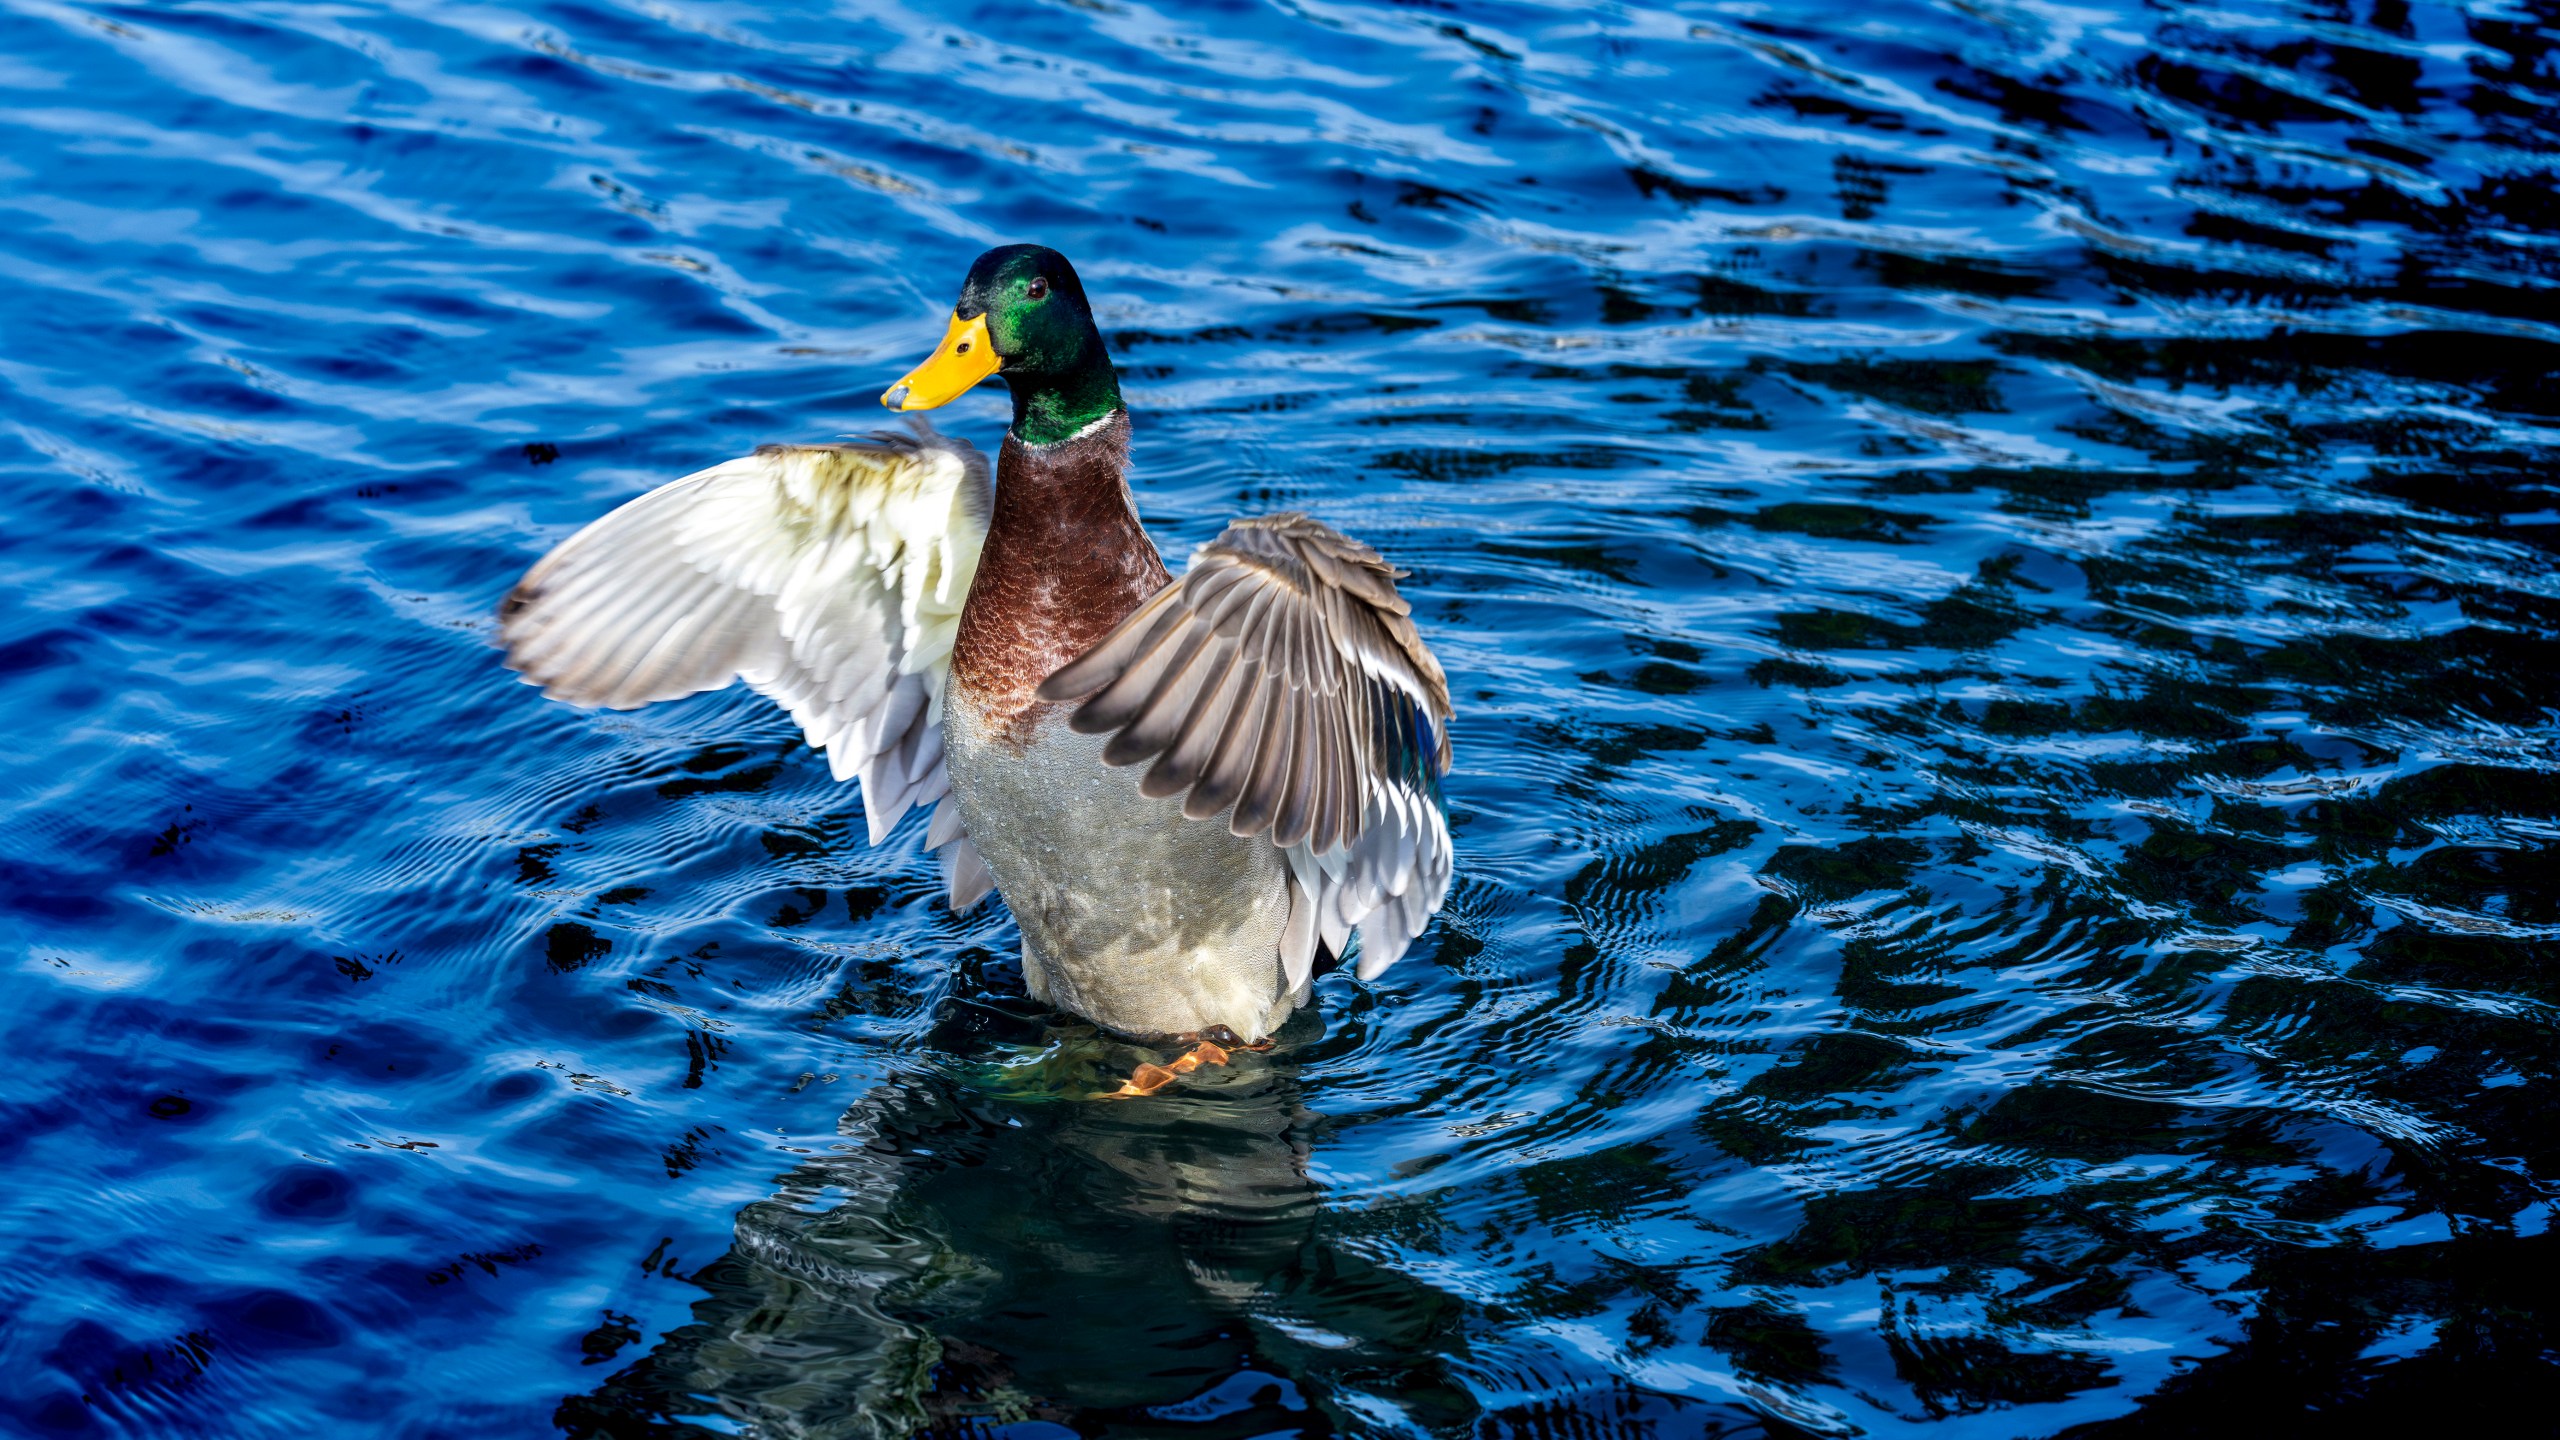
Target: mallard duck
1186	790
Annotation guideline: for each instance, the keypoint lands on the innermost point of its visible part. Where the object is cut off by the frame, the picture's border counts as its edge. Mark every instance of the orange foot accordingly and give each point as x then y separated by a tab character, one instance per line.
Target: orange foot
1228	1039
1148	1079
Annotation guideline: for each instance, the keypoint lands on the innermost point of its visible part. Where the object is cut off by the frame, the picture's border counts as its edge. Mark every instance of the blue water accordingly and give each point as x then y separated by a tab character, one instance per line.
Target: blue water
1998	562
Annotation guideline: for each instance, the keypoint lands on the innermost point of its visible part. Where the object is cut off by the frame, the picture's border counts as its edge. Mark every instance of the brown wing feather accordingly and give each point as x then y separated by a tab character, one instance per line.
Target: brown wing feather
1281	684
1255	683
1267	764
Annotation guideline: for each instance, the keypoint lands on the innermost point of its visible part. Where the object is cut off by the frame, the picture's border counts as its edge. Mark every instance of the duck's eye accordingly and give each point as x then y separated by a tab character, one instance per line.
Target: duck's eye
1039	288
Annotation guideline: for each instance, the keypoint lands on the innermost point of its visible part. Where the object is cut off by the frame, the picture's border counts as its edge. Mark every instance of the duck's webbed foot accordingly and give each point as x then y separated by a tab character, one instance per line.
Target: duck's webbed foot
1227	1039
1148	1079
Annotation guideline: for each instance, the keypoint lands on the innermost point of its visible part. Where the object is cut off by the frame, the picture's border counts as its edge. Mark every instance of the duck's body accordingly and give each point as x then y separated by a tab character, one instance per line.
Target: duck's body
1131	916
1188	915
1014	656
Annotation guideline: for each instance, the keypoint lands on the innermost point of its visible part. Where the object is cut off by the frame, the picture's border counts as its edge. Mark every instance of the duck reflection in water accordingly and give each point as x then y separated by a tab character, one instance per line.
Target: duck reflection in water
989	1243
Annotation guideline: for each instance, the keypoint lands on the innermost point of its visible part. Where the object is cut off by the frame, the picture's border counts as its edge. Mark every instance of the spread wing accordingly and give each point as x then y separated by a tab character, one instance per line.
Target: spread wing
828	577
1280	682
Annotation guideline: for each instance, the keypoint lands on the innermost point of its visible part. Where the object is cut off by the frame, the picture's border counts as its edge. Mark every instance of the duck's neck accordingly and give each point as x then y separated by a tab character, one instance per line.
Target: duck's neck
1065	560
1053	408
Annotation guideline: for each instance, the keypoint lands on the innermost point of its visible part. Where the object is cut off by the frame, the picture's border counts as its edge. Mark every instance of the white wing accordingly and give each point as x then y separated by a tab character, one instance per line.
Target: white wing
829	577
1281	683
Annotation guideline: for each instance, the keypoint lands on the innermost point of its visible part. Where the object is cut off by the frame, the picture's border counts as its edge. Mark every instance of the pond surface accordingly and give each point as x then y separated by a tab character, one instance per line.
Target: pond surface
1998	561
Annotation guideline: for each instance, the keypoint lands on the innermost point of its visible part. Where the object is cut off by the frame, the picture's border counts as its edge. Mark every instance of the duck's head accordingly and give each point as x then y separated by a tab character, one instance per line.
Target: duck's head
1021	314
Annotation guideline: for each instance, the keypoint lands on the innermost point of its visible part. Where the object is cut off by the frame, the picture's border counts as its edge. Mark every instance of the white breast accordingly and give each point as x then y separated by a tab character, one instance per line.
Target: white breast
1132	916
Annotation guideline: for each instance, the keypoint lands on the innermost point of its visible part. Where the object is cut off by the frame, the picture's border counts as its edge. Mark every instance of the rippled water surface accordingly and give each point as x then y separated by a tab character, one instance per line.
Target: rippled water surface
1997	560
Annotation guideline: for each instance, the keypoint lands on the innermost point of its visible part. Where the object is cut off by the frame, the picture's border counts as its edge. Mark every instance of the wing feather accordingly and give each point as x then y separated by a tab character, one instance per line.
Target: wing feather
1281	684
1179	771
829	578
1173	706
1223	774
1260	802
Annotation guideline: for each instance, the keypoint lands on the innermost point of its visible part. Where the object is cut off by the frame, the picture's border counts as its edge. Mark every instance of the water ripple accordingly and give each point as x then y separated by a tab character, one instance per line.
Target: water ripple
1996	559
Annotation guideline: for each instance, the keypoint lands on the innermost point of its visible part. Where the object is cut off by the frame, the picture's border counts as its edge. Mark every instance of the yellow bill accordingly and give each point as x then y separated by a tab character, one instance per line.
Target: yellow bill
965	357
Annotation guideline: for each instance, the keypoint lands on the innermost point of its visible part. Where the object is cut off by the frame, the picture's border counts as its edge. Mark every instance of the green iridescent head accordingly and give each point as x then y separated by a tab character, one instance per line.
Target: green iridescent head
1021	314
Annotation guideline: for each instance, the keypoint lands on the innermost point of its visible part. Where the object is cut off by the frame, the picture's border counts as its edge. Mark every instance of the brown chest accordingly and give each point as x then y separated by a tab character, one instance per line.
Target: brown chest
1065	561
